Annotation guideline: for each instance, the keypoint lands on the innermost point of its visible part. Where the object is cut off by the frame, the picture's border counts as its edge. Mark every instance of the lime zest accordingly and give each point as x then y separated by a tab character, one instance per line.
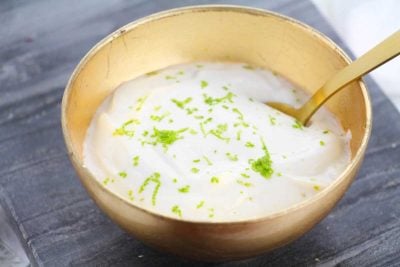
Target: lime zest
140	103
123	130
136	161
123	174
214	180
184	189
130	195
215	101
201	204
181	104
159	118
177	210
203	84
245	175
154	178
246	184
249	144
263	165
272	120
166	137
232	157
209	163
219	131
297	125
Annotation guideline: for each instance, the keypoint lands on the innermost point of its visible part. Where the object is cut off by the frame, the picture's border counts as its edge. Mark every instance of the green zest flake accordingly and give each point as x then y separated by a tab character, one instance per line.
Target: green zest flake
199	66
316	188
140	103
190	111
249	144
181	72
123	130
279	174
284	156
214	180
201	204
251	99
325	132
214	101
241	118
169	77
232	157
184	189
154	178
191	131
152	73
272	120
196	160
219	131
211	213
203	84
207	120
194	170
106	181
136	161
248	67
145	133
181	104
263	165
297	125
246	184
210	110
245	175
238	134
159	118
175	180
123	174
167	137
175	209
225	106
199	117
157	108
130	195
225	88
170	121
209	163
322	143
203	131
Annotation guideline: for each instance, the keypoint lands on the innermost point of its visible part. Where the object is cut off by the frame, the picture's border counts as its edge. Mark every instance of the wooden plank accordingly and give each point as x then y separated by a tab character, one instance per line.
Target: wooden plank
41	42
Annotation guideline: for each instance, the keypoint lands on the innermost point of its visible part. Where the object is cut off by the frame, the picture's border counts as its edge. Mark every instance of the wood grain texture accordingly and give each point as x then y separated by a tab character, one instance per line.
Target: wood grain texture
40	44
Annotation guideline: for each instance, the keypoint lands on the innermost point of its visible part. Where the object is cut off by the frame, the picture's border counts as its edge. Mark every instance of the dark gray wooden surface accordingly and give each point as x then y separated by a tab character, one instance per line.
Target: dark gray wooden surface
42	41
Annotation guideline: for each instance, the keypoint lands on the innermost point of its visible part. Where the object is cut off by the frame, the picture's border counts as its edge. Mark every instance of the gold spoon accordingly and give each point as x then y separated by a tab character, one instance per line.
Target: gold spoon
380	54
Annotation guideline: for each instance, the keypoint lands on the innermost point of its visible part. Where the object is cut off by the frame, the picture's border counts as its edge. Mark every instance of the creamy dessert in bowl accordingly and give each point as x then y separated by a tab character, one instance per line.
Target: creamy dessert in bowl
131	82
196	141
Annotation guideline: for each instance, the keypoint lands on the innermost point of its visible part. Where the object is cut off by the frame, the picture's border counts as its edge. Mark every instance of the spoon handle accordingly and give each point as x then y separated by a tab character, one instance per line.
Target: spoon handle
383	52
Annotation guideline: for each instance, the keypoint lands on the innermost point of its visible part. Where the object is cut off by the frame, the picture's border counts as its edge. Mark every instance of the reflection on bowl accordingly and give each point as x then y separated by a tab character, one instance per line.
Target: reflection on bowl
214	33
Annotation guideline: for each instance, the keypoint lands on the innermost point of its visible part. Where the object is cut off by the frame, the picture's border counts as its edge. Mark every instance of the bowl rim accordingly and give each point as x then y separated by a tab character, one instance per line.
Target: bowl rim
218	8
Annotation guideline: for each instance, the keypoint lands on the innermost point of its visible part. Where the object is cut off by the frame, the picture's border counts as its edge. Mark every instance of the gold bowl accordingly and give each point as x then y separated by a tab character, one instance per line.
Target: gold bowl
214	33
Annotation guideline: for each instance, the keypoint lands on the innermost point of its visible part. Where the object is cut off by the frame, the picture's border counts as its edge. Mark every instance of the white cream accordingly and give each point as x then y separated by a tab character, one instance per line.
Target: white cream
210	173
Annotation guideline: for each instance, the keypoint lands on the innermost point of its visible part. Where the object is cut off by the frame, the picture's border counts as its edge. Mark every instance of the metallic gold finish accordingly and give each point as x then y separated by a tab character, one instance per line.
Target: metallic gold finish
380	54
214	33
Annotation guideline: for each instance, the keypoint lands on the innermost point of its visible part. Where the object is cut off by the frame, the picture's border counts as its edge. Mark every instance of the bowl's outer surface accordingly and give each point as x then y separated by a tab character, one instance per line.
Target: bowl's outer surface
214	33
